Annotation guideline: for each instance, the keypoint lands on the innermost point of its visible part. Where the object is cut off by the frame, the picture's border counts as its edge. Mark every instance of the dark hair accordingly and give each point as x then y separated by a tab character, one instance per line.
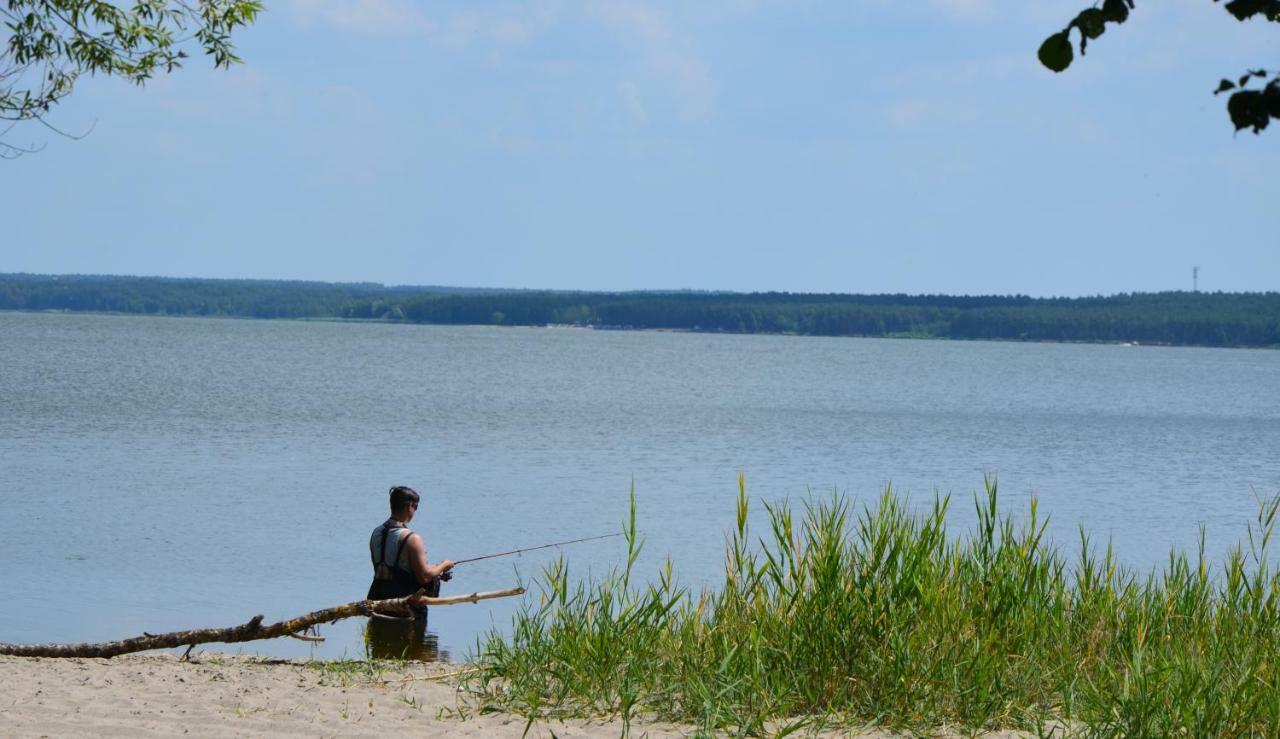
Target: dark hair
401	497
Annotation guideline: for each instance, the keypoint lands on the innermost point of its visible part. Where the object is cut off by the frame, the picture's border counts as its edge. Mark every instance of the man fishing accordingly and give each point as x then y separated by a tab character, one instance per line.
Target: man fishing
400	565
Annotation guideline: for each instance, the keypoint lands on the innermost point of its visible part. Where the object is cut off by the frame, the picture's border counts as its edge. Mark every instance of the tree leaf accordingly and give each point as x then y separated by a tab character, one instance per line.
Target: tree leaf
1056	53
1091	22
1271	100
1224	85
1248	109
1243	10
1115	11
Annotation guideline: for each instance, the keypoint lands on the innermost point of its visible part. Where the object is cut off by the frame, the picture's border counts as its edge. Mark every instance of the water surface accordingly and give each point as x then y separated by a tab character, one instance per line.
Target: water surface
170	473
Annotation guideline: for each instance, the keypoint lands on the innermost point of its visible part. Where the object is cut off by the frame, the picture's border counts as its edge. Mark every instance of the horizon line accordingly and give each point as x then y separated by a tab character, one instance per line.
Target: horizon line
598	291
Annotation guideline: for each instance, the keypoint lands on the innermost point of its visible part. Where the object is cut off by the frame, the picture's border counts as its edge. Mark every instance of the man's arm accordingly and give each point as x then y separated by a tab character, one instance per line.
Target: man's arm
422	569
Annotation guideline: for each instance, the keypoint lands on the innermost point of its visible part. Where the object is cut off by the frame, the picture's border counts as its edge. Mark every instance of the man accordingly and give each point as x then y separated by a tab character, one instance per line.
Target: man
400	565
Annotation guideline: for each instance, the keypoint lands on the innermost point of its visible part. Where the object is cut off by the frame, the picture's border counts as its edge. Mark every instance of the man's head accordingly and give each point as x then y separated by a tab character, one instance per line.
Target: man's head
404	502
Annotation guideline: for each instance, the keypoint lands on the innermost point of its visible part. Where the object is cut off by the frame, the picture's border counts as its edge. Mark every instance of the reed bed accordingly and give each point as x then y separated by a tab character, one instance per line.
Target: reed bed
855	615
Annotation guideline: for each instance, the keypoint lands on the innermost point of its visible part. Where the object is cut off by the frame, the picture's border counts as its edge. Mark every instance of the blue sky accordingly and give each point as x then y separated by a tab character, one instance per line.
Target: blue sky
865	147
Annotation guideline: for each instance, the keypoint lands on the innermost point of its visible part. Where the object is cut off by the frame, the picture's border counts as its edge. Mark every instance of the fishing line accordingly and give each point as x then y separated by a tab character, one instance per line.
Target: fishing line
457	562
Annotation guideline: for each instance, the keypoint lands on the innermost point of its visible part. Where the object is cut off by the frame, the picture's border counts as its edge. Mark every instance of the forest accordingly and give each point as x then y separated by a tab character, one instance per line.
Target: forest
1170	318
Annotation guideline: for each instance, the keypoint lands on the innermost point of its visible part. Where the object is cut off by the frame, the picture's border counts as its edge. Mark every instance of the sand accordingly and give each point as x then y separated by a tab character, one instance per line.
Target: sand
226	695
222	695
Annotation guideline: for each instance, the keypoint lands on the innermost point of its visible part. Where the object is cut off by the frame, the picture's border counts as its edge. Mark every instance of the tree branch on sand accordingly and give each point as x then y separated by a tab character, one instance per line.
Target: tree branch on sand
252	630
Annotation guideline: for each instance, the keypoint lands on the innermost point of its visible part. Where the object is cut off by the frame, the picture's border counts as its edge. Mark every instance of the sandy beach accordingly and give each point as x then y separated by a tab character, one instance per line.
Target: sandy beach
230	695
222	695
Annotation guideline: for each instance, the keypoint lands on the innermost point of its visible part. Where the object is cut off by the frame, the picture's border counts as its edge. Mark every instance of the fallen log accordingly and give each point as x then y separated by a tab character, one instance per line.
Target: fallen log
252	630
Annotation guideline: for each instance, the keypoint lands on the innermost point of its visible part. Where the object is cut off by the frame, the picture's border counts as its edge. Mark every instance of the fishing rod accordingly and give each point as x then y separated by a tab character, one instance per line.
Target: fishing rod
457	562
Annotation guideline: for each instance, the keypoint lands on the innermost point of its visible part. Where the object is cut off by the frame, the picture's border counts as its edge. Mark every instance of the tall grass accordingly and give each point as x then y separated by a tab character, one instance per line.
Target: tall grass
855	615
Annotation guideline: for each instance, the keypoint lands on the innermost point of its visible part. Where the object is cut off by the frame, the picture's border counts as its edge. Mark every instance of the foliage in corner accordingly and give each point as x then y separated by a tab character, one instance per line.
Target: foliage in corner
52	42
1248	108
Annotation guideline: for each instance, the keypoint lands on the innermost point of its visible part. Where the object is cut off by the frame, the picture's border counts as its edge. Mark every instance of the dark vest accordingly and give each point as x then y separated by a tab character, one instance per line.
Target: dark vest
392	575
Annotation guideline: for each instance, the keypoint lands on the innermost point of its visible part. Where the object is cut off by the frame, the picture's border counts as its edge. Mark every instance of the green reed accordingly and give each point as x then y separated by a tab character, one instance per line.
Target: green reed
851	615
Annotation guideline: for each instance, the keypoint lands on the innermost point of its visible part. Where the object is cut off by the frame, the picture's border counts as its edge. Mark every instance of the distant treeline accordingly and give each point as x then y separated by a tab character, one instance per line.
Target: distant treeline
200	297
1206	319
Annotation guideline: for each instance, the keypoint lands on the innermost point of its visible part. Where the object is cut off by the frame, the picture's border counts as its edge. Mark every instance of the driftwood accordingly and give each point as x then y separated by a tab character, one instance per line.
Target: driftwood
251	631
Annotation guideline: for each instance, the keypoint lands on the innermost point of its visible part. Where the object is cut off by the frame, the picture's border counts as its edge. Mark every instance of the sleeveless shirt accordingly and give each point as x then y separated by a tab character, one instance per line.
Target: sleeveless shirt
392	574
387	546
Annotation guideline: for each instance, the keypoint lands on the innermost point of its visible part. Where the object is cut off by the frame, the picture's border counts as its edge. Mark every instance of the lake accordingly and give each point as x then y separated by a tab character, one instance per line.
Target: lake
170	473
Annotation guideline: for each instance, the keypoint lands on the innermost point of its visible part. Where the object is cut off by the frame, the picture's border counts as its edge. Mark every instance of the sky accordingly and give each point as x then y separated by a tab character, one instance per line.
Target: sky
805	146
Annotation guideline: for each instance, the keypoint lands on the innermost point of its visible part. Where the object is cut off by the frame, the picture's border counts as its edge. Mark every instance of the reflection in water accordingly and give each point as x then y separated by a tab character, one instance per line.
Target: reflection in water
407	639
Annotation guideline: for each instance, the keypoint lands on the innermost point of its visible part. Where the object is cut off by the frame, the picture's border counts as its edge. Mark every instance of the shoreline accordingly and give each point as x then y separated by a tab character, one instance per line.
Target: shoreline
630	329
216	694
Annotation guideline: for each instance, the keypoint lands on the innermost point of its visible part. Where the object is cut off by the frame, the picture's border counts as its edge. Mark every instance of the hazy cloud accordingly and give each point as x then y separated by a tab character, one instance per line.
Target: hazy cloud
241	94
929	112
370	17
964	8
665	51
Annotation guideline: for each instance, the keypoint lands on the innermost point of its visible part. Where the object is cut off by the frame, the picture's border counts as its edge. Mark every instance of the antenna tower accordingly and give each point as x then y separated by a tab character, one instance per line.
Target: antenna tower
1195	279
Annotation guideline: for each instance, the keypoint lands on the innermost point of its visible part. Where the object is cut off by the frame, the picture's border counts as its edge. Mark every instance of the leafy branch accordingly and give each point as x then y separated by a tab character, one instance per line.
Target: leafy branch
1248	108
53	42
